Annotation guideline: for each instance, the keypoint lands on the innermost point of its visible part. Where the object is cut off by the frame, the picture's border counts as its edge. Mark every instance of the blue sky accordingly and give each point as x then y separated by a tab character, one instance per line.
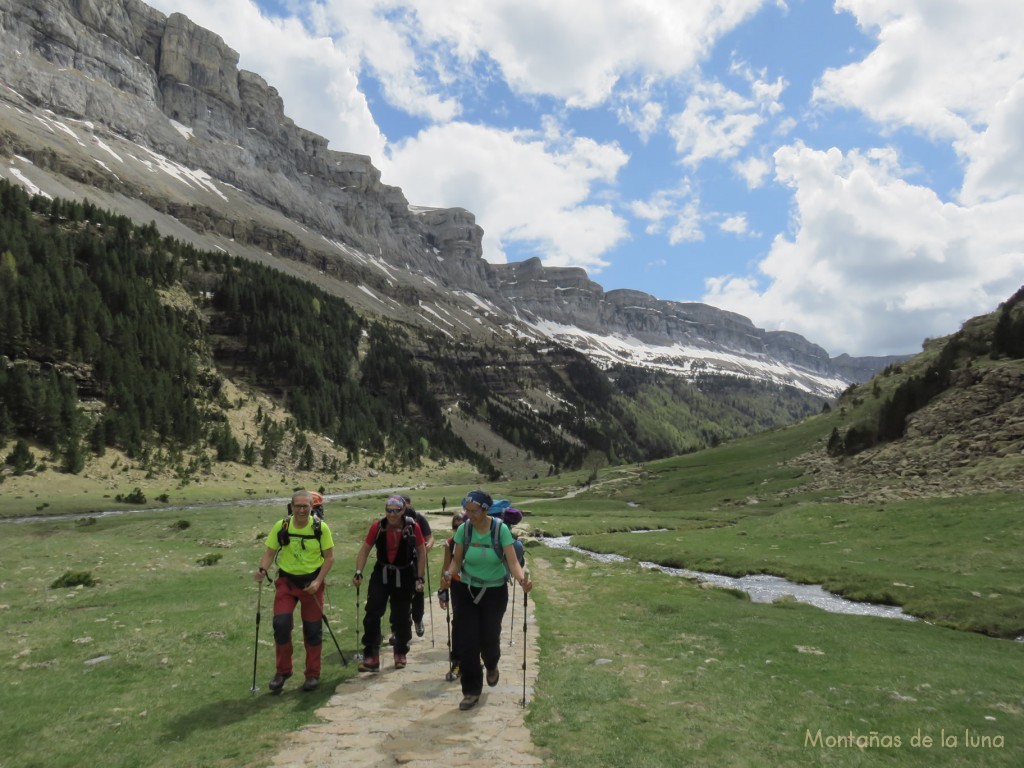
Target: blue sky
850	171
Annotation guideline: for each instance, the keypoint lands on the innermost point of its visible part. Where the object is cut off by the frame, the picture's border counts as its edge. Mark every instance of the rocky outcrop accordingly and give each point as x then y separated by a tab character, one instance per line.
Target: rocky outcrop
969	440
175	87
859	369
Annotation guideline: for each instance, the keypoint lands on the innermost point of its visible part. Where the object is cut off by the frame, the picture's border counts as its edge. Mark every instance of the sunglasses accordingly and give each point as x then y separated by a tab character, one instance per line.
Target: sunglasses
392	510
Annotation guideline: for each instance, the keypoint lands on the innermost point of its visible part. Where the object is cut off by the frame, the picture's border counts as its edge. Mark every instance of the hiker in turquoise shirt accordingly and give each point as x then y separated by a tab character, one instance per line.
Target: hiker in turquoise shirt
304	549
478	580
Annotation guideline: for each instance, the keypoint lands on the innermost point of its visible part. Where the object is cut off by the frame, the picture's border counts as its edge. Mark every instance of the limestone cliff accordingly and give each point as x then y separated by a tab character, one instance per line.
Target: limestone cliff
121	89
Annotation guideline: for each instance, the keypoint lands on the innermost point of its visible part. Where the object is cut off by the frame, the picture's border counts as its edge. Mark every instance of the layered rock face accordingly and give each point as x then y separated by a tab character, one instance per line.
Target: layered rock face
128	67
175	88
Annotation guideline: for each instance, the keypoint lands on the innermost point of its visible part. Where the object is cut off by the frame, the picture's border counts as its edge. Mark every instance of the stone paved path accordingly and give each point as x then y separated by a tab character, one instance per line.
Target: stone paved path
411	717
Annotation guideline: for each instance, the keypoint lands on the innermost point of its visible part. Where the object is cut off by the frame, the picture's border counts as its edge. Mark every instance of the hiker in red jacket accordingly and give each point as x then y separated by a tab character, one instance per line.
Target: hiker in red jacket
397	576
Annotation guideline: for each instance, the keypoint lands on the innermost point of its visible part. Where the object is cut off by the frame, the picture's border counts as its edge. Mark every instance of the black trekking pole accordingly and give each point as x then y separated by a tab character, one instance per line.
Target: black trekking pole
256	647
525	599
450	674
323	617
430	594
512	621
359	654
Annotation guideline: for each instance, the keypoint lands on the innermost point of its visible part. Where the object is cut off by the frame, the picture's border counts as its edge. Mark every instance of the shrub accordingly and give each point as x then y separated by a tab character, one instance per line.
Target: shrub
210	559
135	497
69	579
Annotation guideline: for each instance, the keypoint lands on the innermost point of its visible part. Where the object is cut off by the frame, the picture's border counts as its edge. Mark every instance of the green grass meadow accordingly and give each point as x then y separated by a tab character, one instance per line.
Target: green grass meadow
152	666
180	638
646	670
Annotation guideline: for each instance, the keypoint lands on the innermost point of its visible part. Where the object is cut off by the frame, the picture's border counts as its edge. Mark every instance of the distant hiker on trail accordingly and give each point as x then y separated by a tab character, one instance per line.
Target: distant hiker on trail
318	505
444	503
480	595
397	576
443	600
304	548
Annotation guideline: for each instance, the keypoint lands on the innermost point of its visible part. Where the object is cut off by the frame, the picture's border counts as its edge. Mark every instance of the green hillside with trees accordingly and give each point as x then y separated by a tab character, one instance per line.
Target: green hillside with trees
114	337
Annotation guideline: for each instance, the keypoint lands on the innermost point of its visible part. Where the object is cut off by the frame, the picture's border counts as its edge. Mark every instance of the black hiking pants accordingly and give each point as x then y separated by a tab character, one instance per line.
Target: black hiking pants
398	592
418	605
479	635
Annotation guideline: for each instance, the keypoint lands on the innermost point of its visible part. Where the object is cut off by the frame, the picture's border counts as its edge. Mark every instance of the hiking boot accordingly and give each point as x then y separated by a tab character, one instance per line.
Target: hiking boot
311	684
492	677
420	629
370	664
391	640
400	661
277	682
469	701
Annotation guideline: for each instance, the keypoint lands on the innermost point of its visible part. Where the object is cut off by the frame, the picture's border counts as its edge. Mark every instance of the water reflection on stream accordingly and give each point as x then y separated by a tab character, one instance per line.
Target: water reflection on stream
760	587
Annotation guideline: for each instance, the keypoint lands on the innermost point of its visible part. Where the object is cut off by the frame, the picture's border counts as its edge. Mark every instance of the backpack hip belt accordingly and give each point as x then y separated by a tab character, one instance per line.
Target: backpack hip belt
396	570
299	580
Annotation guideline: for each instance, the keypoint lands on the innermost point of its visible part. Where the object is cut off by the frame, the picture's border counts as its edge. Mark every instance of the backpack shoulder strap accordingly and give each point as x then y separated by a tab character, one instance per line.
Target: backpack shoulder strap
317	533
409	534
496	543
283	536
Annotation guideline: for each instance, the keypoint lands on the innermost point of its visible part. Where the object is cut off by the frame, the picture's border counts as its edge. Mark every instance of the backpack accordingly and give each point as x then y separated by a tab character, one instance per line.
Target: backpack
517	545
504	511
284	537
408	538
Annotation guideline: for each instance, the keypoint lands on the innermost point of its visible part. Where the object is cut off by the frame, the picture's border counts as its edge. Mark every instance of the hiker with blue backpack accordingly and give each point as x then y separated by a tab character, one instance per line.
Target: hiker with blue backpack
302	569
477	580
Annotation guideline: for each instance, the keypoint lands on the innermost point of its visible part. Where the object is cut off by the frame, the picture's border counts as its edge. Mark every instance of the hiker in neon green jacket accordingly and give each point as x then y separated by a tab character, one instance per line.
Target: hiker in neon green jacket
304	549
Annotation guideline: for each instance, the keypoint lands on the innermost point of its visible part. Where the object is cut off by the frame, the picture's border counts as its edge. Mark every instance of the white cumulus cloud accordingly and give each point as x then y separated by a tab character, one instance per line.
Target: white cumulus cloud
874	257
520	187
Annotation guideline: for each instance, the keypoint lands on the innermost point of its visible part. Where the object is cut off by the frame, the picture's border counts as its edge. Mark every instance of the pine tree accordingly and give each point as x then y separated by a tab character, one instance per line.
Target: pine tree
306	464
21	458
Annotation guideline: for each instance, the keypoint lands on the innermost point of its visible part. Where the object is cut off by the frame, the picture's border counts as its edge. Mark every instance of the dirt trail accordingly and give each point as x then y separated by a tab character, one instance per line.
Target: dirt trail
411	717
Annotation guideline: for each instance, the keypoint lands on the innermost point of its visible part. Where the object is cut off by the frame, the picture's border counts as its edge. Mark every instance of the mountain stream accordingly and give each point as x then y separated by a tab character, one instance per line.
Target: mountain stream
762	588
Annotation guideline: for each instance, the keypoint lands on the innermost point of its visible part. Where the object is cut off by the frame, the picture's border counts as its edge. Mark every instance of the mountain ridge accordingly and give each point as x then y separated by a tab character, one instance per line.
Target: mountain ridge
166	118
